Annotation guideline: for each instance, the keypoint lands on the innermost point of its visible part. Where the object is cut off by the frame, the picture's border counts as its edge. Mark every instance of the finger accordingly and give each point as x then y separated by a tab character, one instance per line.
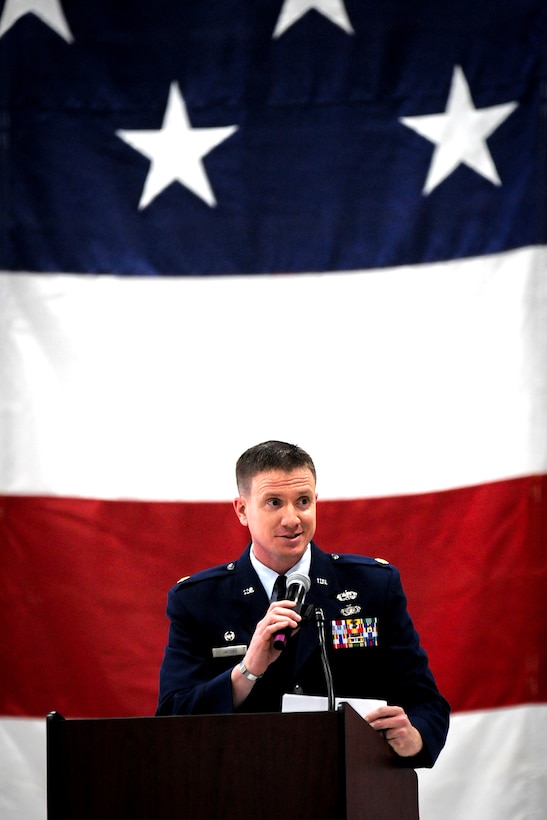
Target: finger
286	619
378	714
280	610
282	623
286	604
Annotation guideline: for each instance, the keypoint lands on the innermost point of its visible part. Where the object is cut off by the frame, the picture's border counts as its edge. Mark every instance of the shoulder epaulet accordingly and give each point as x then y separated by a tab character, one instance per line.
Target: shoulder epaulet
350	558
206	574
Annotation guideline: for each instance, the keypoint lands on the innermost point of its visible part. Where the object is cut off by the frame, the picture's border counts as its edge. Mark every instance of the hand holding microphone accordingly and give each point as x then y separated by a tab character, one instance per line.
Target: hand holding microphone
297	586
263	648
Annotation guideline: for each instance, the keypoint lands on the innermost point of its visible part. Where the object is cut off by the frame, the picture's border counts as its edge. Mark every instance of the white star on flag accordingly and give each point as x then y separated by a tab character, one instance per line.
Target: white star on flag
460	134
176	151
293	10
49	11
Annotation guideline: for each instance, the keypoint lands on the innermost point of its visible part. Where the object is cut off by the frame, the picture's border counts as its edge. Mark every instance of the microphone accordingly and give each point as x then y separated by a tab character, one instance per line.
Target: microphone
297	586
320	621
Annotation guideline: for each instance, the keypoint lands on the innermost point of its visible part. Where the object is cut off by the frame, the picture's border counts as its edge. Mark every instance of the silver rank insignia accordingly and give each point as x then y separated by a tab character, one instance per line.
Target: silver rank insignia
347	595
350	610
248	591
229	636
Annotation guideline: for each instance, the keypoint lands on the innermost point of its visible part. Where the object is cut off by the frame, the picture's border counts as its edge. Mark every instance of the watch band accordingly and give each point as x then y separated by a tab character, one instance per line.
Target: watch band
246	674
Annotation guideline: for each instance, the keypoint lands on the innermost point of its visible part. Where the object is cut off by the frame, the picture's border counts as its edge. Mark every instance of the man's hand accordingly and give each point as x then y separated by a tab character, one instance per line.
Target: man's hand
260	652
393	723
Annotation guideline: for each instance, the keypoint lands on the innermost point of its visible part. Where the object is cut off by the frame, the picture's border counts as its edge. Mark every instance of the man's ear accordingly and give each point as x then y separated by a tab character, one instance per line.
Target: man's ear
240	507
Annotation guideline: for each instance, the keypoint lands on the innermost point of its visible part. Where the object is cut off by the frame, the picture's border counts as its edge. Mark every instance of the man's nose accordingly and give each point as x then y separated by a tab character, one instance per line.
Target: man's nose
290	516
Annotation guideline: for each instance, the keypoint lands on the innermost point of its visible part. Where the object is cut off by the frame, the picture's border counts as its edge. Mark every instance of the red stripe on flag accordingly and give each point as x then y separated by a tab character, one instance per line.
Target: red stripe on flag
473	564
84	589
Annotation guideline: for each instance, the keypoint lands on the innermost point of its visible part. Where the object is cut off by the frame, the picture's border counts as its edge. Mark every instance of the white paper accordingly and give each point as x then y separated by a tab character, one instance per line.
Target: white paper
315	703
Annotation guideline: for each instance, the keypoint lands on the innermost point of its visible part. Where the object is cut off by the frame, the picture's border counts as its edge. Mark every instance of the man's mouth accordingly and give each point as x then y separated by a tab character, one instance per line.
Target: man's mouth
291	537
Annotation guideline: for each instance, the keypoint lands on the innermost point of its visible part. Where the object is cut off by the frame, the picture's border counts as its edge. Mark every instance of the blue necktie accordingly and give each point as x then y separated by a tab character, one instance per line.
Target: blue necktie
280	588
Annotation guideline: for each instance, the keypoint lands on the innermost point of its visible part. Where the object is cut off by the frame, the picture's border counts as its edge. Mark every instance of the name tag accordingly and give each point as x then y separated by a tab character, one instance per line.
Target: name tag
229	651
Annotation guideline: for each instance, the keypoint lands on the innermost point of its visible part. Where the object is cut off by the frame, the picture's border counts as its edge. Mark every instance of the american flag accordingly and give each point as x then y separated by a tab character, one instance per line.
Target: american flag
321	221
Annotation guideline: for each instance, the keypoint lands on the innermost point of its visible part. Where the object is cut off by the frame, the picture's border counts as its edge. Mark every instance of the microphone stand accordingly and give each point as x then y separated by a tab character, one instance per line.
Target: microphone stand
320	621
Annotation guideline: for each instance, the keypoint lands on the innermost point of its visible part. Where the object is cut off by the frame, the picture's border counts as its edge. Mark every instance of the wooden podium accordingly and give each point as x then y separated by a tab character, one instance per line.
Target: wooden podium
298	766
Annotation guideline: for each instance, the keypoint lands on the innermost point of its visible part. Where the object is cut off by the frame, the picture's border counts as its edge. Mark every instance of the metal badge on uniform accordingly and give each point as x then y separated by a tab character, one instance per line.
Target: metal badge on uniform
354	633
248	590
350	610
229	651
230	635
347	595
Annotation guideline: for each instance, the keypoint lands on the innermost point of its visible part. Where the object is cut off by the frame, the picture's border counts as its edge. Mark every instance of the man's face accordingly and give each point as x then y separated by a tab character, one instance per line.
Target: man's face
279	511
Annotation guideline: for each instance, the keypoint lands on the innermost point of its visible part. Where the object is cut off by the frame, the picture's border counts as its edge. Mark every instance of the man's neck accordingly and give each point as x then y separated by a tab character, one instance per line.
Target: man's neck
268	575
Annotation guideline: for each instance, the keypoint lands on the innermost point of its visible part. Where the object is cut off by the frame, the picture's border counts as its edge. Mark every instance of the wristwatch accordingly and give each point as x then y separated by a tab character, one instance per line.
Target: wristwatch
246	674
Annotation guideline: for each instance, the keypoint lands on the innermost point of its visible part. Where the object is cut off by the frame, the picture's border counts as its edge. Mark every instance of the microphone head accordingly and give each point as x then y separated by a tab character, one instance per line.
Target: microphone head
297	586
300	579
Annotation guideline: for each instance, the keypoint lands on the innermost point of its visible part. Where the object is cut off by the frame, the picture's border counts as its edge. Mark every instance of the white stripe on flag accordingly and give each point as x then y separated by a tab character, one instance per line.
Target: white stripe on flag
492	768
22	769
435	376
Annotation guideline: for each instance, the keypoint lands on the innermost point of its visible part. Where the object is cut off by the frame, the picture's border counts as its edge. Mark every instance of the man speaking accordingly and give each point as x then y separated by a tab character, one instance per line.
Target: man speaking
242	635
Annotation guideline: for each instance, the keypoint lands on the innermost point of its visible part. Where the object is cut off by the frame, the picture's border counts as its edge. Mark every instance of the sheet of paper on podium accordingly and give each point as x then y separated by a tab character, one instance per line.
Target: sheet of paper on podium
315	703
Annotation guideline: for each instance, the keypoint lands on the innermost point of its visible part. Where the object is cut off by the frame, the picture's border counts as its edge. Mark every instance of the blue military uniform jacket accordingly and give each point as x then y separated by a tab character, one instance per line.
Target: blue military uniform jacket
374	651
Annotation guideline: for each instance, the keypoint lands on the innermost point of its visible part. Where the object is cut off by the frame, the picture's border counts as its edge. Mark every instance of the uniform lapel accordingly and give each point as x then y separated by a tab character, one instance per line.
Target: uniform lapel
250	601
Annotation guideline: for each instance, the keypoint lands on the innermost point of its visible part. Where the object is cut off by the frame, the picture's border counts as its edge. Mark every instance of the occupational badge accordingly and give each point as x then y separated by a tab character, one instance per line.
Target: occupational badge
347	595
350	610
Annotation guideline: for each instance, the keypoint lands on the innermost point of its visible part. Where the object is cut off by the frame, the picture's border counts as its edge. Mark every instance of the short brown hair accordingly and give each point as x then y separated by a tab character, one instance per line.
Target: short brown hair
270	455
